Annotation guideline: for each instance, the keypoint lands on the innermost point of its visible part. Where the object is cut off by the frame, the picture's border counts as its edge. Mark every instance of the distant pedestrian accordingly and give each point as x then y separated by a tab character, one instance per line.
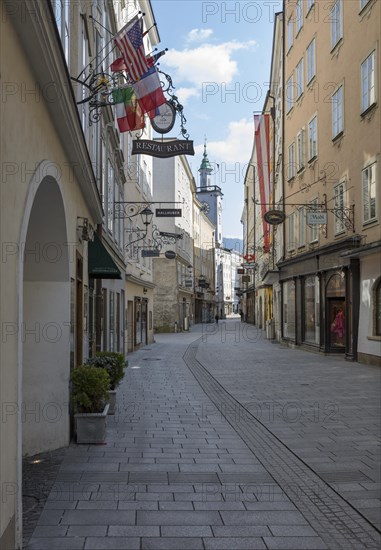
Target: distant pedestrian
216	318
241	314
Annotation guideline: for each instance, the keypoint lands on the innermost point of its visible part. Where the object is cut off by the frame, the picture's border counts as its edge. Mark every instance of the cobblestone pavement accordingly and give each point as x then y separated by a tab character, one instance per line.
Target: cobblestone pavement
189	464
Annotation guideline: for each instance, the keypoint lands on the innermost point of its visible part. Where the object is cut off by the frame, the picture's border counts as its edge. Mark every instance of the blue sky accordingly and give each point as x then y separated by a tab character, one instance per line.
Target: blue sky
219	56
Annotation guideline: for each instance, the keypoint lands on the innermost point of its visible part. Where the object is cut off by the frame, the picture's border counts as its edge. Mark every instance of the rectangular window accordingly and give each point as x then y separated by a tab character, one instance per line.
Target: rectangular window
300	143
368	89
302	227
311	61
339	205
291	231
290	94
312	138
299	15
299	78
291	161
337	112
314	228
369	193
110	198
336	22
290	33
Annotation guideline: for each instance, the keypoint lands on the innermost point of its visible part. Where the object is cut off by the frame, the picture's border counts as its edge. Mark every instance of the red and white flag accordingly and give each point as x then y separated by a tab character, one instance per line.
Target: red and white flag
149	92
130	43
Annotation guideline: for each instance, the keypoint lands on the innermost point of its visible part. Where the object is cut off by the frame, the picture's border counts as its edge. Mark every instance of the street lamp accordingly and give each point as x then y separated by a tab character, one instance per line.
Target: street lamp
146	215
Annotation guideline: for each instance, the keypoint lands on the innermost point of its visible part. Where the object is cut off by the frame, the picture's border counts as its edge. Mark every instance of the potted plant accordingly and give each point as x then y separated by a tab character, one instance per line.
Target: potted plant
114	363
90	395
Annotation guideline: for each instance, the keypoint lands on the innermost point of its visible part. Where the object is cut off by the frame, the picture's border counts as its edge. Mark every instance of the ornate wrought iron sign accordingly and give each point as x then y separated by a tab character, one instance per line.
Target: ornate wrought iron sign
274	217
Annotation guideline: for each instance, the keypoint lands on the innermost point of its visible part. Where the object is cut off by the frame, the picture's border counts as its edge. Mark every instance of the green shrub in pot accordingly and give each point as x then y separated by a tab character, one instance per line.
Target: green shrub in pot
113	362
90	385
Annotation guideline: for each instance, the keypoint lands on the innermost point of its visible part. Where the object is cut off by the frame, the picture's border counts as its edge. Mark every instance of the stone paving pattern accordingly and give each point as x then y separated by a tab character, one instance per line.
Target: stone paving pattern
177	472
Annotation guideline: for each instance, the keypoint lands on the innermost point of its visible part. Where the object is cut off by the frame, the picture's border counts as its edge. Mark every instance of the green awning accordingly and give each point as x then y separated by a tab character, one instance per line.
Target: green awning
101	265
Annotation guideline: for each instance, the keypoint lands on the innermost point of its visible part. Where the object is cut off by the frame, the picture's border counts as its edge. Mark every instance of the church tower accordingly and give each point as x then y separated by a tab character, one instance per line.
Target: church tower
210	196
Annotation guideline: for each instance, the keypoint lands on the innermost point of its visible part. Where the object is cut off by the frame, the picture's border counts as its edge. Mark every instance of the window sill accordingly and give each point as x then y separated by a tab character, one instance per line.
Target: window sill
312	160
368	109
310	9
338	137
336	47
291	179
370	223
340	233
362	11
374	338
301	170
311	81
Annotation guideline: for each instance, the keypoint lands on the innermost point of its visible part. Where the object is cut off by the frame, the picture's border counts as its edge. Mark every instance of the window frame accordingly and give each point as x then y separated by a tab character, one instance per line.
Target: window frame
301	227
310	78
313	229
336	119
298	16
339	226
291	232
313	156
372	163
291	172
290	35
299	71
310	4
370	104
290	100
301	153
336	26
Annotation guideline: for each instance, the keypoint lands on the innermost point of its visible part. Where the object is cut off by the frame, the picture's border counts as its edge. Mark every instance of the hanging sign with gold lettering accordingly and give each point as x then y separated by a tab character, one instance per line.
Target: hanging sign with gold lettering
162	149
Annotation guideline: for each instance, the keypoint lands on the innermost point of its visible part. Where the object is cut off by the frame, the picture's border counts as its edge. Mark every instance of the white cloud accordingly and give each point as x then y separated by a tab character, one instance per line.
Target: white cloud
198	35
236	147
185	93
206	63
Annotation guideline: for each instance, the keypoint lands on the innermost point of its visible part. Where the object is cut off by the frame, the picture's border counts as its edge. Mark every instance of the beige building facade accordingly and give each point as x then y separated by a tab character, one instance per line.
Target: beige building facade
331	271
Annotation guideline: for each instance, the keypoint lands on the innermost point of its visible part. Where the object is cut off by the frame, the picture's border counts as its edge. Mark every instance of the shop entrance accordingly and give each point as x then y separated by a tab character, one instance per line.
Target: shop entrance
336	313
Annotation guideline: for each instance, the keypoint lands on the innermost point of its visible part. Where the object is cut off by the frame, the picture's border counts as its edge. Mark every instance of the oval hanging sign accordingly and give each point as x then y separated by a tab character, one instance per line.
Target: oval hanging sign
274	217
170	255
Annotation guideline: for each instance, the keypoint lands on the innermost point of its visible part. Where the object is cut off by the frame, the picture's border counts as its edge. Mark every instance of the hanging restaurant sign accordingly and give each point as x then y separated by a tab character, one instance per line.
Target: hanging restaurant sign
168	212
164	121
162	149
317	217
274	217
150	253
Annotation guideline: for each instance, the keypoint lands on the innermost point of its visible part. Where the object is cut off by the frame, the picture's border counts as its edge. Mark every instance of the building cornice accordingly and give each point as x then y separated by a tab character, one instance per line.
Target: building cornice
37	31
343	244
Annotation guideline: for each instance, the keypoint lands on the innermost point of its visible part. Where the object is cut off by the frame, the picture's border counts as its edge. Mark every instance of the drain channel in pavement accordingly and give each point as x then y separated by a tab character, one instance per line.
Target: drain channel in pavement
333	518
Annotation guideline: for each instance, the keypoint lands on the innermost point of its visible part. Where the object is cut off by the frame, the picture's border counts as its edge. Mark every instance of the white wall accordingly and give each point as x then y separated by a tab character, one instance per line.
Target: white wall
370	270
46	350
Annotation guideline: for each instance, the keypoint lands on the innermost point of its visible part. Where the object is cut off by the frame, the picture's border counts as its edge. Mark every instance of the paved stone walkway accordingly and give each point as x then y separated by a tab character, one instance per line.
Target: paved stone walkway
188	463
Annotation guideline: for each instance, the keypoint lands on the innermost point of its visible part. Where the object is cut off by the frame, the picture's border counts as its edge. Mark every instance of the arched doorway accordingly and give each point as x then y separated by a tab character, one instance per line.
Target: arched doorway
45	326
336	313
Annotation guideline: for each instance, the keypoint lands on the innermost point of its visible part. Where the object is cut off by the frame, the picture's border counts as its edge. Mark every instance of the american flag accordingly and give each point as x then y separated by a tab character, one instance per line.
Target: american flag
130	42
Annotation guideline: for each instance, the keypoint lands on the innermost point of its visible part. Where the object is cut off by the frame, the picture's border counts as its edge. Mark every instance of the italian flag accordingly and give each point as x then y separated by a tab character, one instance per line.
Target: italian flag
128	112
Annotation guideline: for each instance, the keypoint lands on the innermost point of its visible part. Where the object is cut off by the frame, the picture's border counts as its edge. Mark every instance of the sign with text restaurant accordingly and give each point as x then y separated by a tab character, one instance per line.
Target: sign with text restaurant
162	149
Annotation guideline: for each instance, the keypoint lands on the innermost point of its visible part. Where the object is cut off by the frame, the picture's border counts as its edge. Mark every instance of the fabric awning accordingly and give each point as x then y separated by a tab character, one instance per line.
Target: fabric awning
100	264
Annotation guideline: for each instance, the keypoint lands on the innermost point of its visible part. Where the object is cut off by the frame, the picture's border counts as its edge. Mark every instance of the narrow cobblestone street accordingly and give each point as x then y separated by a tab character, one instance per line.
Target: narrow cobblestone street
223	440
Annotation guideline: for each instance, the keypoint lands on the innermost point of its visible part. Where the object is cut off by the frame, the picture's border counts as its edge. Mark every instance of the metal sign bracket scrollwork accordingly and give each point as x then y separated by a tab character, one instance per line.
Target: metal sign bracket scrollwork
174	101
161	238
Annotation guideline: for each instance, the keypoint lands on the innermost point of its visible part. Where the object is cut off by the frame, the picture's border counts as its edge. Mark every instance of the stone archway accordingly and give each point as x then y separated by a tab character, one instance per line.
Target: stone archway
45	323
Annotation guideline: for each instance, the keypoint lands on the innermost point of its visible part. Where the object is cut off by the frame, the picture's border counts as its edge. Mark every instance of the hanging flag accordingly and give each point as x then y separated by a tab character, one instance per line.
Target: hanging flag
262	146
120	65
128	112
130	43
149	92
